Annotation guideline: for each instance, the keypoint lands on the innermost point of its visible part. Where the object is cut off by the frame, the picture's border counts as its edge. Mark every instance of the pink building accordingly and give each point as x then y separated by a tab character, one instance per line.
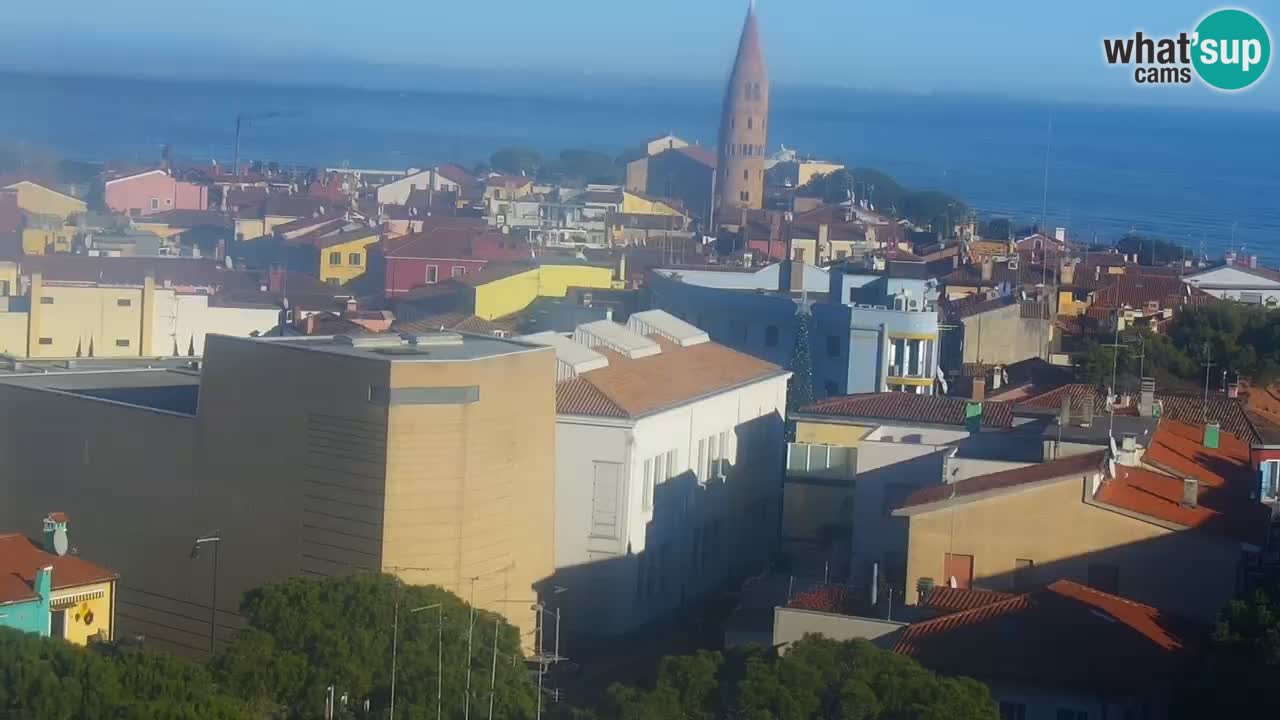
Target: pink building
154	191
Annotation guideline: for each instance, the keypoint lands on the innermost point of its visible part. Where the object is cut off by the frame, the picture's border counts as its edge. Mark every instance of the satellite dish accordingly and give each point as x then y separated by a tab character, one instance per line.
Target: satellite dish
60	542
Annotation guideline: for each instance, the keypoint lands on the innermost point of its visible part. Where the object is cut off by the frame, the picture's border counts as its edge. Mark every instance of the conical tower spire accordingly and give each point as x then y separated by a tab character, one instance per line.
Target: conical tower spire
743	127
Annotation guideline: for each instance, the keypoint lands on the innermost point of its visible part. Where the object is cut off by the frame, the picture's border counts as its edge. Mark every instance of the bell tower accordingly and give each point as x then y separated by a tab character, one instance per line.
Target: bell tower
744	124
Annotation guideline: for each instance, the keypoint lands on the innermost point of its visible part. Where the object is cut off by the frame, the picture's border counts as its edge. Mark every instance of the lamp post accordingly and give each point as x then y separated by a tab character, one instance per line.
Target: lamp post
539	607
215	538
439	607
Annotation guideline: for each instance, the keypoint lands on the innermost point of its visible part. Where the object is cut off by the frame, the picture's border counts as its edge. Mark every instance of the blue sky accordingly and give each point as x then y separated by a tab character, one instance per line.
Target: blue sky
1017	47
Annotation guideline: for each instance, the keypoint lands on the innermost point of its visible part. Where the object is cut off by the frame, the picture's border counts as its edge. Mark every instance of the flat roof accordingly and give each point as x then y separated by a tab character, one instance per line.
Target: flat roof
402	348
168	389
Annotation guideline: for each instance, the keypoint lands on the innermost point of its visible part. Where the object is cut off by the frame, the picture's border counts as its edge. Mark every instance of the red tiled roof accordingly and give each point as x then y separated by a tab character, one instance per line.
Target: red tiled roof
1224	476
1190	409
1135	291
908	407
947	599
1075	465
975	305
1065	636
636	387
463	240
462	322
455	174
20	558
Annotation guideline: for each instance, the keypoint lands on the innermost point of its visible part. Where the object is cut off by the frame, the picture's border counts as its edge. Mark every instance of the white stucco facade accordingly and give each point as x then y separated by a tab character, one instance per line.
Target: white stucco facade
1240	284
183	321
653	512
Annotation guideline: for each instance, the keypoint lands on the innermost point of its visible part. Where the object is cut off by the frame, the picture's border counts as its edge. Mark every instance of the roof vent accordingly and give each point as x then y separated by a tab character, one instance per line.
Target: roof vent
435	339
1190	492
369	342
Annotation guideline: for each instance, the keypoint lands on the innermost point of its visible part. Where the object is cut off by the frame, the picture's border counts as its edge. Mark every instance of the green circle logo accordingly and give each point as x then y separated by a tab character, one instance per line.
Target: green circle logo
1232	49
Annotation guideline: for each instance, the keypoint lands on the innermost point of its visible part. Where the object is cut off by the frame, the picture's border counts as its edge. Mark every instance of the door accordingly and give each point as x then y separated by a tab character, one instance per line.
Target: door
58	623
959	568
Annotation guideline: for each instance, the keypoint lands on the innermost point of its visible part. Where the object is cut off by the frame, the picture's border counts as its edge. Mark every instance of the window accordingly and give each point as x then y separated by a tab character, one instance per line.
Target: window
431	273
46	341
842	254
353	259
1270	471
46	300
771	336
749	123
830	388
1072	714
1013	711
4	287
671	465
833	346
746	174
459	271
1023	571
1104	577
122	343
733	123
335	258
155	203
123	302
604	500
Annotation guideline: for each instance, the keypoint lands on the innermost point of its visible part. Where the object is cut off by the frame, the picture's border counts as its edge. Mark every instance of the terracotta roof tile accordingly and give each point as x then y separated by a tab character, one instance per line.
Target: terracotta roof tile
1224	476
908	407
1135	291
640	386
1072	466
947	599
1065	635
461	322
1186	408
21	557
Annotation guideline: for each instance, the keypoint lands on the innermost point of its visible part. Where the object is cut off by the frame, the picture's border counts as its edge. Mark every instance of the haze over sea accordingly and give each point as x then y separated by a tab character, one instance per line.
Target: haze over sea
1190	175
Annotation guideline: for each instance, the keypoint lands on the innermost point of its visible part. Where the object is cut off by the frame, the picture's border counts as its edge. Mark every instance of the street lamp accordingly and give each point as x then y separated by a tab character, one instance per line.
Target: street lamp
395	637
539	607
215	538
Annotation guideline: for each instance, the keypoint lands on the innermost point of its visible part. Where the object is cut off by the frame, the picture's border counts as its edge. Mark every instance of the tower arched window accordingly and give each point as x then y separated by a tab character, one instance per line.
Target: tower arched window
733	123
749	123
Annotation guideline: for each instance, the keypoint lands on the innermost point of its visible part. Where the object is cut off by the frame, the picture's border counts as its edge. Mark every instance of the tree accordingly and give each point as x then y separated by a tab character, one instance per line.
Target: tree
306	634
1241	661
800	384
52	679
816	678
832	187
515	161
996	229
589	166
1150	250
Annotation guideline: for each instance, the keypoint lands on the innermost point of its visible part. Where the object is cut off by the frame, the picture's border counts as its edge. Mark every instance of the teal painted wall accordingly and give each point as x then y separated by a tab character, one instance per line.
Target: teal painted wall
32	615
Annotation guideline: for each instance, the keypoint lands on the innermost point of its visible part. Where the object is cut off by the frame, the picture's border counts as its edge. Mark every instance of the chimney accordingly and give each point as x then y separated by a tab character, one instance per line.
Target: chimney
824	232
1253	261
1211	435
1230	257
979	389
796	271
275	278
221	251
986	269
1067	273
1233	390
1147	397
1064	415
1086	418
1190	492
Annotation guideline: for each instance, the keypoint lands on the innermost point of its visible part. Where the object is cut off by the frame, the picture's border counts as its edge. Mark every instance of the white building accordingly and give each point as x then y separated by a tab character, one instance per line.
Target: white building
668	468
445	178
1241	280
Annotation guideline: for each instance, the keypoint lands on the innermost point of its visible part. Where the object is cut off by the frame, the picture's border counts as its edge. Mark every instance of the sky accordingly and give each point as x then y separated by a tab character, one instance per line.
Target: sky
1008	47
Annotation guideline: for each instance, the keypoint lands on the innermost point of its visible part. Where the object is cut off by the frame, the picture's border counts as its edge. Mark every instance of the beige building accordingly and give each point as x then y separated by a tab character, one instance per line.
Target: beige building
313	456
1167	525
40	200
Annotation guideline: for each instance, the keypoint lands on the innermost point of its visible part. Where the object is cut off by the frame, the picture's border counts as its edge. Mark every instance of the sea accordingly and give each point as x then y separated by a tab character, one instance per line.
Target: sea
1207	178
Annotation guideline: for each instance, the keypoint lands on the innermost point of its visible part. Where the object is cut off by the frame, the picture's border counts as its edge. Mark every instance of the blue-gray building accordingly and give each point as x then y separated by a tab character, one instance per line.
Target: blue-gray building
874	323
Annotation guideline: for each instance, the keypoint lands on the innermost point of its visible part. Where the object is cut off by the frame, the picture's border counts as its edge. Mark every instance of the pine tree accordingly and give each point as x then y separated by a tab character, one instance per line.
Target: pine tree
800	386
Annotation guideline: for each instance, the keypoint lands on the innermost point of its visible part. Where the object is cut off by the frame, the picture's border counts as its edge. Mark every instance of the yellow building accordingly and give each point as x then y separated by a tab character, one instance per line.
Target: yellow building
809	169
45	240
82	320
432	457
1130	528
51	593
345	257
634	203
40	200
502	291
